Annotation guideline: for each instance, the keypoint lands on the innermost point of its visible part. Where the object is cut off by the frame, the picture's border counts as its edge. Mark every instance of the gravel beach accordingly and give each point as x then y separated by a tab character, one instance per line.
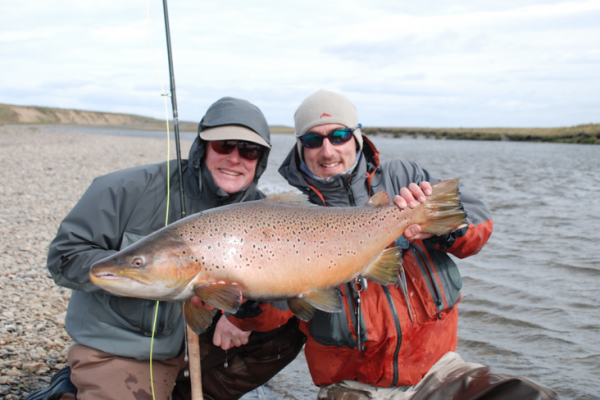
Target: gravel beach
44	174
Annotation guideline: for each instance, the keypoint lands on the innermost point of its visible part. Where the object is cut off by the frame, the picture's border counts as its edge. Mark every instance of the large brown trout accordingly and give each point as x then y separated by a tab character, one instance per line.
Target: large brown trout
278	248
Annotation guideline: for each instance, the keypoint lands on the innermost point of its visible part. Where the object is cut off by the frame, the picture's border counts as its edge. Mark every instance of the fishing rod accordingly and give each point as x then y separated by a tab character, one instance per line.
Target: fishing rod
174	106
193	342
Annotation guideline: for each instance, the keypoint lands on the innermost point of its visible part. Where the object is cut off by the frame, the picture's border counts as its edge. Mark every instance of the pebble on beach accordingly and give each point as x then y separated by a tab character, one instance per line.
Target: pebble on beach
44	173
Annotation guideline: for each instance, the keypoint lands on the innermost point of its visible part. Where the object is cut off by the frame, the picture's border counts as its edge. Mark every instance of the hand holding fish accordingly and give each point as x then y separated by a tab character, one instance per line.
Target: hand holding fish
411	197
228	335
199	304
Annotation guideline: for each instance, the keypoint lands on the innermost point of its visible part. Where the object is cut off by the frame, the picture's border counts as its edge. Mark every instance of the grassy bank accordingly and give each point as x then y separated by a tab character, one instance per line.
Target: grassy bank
584	134
26	115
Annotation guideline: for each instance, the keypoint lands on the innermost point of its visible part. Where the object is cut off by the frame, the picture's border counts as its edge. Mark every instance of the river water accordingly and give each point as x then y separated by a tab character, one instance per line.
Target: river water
531	303
531	297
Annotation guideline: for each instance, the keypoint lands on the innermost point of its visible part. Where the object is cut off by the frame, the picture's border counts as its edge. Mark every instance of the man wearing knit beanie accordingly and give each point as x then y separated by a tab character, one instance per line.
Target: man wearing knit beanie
325	107
390	342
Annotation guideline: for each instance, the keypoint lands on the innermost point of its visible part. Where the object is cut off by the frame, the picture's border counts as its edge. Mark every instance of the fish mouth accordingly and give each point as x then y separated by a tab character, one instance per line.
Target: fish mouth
110	276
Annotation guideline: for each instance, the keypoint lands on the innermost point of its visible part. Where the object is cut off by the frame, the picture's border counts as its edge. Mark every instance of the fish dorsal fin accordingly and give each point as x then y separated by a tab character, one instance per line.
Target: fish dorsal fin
290	199
379	199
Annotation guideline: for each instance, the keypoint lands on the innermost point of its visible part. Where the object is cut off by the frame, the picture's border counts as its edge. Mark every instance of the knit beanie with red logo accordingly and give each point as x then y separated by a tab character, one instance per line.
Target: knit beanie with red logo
325	107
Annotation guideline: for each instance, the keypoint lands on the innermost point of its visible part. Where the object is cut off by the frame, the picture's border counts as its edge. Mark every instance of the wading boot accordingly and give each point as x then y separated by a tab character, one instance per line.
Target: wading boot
60	388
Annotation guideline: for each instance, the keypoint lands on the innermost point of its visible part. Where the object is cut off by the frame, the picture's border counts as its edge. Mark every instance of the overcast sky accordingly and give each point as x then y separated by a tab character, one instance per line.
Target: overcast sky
465	63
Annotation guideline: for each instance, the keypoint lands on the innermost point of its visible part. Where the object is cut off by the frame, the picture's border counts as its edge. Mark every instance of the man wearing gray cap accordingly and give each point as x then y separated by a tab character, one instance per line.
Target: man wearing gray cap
398	341
112	334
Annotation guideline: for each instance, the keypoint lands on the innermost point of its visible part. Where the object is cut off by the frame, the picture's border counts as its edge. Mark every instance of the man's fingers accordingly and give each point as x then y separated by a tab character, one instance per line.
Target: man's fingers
400	202
426	187
417	192
408	197
199	304
227	345
217	339
412	231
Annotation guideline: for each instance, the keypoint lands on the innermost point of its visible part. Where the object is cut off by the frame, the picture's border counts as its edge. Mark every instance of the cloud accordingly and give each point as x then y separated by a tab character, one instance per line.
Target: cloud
467	62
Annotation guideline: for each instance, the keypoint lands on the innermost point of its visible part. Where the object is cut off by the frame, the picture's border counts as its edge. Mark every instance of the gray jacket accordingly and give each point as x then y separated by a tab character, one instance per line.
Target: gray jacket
121	208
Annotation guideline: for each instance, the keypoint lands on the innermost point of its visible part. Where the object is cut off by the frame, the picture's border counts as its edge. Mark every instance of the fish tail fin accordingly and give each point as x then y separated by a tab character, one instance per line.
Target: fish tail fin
198	319
442	213
384	270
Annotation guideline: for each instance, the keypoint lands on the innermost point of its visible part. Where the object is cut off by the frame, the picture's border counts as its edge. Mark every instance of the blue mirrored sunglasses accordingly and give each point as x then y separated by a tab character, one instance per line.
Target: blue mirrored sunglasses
340	136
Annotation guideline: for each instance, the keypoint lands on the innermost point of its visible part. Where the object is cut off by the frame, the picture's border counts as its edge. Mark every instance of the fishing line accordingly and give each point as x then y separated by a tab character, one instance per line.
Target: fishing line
164	95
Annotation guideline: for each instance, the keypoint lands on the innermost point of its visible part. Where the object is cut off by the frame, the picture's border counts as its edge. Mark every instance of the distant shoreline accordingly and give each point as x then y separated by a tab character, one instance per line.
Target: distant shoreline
48	116
580	134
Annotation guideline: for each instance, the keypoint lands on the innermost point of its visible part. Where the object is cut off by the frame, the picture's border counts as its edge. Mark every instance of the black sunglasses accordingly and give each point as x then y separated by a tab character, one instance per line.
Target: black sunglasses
340	136
248	150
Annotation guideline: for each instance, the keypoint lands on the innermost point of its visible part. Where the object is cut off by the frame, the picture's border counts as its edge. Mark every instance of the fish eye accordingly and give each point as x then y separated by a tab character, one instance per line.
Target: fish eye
137	262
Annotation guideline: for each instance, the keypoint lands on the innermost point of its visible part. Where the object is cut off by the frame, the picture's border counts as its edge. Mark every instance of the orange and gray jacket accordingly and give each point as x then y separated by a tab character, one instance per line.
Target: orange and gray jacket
123	207
401	330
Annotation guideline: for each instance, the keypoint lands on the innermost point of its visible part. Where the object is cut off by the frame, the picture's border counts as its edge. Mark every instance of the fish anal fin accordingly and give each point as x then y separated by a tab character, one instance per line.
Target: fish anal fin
379	199
226	297
327	300
384	270
290	199
198	319
301	308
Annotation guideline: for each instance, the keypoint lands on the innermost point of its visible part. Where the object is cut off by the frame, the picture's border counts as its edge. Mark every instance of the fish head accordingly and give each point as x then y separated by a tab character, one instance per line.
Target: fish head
158	267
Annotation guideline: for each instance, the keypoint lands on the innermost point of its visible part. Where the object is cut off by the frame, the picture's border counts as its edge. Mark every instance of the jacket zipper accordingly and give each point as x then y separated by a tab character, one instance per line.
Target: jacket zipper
435	292
398	332
351	196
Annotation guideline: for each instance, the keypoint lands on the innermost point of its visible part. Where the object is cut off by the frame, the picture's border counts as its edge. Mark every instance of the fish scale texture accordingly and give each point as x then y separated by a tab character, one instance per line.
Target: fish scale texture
261	244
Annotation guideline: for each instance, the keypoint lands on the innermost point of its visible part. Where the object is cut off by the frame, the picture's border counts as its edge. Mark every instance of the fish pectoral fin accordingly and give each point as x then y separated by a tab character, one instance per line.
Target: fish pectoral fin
379	199
301	309
290	199
226	297
384	270
198	319
328	300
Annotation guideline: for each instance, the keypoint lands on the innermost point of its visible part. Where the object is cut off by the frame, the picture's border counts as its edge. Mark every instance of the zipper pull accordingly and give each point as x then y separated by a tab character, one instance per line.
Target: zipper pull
360	285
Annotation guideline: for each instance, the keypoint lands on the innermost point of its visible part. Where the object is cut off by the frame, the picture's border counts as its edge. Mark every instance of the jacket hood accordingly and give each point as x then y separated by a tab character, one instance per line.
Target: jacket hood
225	111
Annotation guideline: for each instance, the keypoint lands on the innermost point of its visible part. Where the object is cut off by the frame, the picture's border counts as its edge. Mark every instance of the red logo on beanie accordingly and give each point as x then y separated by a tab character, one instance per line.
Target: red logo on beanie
324	115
